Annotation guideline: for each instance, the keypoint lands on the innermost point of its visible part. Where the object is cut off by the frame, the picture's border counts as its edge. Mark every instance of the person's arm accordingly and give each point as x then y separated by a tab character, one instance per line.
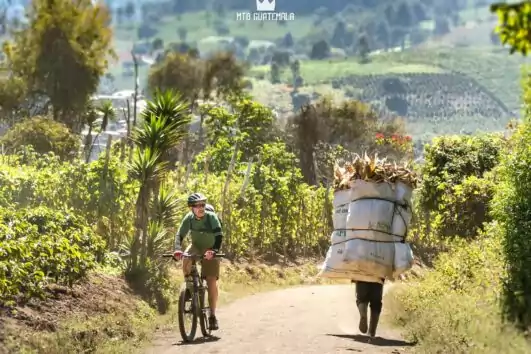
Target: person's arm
218	233
183	231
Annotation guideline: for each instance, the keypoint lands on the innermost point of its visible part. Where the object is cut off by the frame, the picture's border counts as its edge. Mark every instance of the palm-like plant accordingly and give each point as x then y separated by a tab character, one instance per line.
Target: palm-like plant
162	128
166	206
107	113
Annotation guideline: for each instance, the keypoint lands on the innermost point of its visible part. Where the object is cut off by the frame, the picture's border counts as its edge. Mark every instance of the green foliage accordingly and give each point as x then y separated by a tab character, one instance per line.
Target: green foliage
39	246
449	159
249	125
63	40
454	308
512	208
278	214
100	192
465	208
45	135
514	27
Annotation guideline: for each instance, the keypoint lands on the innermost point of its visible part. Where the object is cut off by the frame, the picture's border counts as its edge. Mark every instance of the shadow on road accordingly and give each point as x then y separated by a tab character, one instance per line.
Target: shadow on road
378	341
199	341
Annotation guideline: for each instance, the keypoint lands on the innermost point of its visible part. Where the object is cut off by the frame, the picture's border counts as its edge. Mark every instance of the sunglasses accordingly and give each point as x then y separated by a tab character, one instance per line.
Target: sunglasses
198	206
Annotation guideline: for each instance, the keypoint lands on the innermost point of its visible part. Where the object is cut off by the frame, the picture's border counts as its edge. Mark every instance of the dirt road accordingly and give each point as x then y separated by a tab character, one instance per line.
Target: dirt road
315	319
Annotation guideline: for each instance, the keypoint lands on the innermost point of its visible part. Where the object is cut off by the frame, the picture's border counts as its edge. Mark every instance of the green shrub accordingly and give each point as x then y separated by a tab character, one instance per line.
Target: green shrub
455	308
512	208
464	210
100	193
452	158
453	198
45	135
39	246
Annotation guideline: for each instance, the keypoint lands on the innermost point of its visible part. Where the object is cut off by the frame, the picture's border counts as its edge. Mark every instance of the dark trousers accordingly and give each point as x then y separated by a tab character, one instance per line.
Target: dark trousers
370	293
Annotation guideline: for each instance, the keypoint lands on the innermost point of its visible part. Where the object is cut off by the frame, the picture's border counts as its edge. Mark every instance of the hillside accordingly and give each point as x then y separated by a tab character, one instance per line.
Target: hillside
473	68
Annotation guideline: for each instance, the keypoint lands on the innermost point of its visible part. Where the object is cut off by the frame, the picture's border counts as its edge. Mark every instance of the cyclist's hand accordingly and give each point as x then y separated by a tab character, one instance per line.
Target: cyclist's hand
209	254
178	254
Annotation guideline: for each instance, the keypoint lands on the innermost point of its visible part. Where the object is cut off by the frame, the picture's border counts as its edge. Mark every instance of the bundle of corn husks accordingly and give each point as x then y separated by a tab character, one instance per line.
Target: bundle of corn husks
372	169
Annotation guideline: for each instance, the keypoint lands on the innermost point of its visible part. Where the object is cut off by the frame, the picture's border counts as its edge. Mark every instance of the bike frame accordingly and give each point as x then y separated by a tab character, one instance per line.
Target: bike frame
198	286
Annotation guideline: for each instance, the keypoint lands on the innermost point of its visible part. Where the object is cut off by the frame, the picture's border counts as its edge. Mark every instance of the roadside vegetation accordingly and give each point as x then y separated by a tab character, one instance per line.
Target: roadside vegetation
81	239
474	300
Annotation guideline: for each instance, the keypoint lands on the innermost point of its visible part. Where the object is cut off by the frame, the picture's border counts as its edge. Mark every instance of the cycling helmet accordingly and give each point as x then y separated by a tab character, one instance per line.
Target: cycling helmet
210	208
196	198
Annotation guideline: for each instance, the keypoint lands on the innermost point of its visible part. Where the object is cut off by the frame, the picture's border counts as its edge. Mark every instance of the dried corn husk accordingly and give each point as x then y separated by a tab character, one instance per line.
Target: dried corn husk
372	169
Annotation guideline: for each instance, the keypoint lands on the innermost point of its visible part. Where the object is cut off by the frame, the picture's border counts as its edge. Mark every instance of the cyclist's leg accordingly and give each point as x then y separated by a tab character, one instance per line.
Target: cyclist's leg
187	269
187	262
211	274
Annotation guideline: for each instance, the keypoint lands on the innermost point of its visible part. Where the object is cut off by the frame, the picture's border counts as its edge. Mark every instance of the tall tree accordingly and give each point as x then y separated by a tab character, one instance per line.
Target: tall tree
62	53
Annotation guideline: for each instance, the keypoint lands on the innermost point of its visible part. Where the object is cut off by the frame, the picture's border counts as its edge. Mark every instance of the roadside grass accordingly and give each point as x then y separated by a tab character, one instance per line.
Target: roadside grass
454	307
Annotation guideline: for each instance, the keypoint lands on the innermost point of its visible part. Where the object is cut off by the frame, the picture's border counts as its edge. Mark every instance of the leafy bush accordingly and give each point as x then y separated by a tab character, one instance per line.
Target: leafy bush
45	135
512	208
450	159
454	309
38	246
455	192
465	209
101	193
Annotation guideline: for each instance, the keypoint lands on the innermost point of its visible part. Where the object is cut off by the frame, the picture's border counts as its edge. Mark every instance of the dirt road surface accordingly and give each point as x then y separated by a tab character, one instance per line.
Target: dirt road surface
310	319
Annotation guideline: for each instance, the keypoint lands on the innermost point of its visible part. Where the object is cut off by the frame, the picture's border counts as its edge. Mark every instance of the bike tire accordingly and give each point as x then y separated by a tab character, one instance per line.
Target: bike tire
187	337
203	317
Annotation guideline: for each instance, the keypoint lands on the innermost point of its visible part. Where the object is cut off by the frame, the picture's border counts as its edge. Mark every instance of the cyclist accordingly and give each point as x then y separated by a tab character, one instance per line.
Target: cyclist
205	229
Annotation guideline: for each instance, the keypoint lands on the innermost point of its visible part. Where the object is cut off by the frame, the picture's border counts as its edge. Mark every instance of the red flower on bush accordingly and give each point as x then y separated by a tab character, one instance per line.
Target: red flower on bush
400	142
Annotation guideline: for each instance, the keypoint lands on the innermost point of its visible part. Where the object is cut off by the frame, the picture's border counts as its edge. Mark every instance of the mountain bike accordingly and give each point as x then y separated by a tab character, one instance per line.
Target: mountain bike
193	294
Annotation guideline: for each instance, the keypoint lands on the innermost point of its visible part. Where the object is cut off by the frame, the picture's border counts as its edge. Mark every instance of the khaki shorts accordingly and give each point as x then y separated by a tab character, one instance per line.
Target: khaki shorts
210	267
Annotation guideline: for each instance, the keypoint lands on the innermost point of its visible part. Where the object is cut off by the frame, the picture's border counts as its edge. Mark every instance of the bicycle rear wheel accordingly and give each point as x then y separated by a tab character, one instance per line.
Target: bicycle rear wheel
188	304
203	316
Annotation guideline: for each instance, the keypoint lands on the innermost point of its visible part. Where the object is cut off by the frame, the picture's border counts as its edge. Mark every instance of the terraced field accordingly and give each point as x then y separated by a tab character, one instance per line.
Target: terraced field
493	68
317	71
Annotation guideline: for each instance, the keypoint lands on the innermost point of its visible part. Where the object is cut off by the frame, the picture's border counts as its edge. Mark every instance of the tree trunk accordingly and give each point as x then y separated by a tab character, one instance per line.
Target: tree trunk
135	62
140	224
247	176
226	187
307	166
88	144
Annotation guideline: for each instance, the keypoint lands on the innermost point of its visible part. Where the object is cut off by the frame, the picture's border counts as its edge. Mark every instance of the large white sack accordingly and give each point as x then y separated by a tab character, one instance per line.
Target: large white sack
371	219
339	217
334	258
370	257
340	236
342	197
401	221
403	215
403	259
387	220
403	193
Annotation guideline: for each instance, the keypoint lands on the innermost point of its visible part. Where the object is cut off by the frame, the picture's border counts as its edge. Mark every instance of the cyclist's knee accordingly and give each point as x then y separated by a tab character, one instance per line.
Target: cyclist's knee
187	266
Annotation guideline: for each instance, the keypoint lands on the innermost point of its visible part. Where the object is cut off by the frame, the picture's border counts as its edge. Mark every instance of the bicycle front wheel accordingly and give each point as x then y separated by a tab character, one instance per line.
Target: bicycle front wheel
188	304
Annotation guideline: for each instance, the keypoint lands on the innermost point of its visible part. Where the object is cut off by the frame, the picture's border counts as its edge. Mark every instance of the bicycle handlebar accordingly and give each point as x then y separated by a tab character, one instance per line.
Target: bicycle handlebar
197	257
